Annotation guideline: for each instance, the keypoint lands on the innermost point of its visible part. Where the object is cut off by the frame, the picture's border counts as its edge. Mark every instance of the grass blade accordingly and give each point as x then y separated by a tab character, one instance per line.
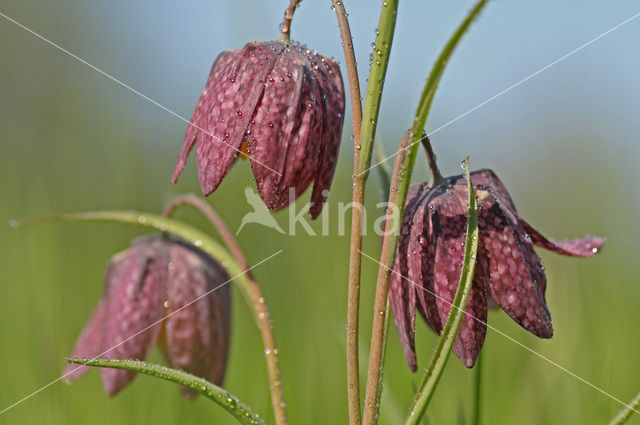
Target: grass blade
226	400
449	332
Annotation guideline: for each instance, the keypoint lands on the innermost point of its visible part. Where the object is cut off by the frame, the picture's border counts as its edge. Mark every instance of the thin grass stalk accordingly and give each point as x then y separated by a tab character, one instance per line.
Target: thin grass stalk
362	160
450	330
403	168
220	396
353	296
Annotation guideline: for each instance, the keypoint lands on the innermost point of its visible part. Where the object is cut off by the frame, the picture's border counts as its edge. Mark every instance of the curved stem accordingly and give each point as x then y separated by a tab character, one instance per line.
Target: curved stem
623	416
436	177
352	69
213	217
450	330
403	167
257	300
363	143
228	401
374	376
353	296
285	34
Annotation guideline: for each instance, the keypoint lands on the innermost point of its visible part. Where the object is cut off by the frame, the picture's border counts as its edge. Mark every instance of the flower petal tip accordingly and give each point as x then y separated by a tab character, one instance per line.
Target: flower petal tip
114	380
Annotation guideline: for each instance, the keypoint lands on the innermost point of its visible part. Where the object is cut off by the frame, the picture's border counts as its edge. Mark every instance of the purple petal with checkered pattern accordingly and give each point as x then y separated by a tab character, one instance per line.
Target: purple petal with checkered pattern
198	306
508	270
282	105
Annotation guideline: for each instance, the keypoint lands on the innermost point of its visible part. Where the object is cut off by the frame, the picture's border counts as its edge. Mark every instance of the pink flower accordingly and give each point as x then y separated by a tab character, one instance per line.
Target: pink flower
281	105
150	290
508	272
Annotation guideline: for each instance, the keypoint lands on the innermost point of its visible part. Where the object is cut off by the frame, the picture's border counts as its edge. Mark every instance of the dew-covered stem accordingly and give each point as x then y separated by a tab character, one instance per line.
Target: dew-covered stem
380	312
353	296
401	176
220	396
285	27
450	330
364	130
257	304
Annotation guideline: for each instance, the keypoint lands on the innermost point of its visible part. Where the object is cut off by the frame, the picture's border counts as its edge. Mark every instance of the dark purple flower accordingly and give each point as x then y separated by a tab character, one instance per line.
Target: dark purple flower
508	272
147	290
281	105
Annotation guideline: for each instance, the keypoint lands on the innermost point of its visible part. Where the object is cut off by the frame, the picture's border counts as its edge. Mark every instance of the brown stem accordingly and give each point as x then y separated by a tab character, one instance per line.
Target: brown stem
436	177
382	288
259	305
353	296
285	35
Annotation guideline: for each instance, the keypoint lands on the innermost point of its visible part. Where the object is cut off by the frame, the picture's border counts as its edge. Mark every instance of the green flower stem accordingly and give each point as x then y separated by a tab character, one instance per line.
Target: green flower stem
377	73
229	402
257	299
623	416
380	313
477	395
403	168
353	306
362	160
195	237
443	349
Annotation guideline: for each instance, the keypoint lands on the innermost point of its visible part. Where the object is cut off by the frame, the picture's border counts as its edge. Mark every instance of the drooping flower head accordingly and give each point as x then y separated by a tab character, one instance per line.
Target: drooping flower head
155	293
508	272
279	104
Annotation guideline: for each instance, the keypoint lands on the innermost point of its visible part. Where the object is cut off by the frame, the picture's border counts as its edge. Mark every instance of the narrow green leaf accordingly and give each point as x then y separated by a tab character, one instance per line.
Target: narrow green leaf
443	349
424	106
377	73
226	400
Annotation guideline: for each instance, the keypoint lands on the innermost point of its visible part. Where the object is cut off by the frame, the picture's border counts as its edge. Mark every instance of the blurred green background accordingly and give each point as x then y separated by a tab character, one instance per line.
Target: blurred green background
565	143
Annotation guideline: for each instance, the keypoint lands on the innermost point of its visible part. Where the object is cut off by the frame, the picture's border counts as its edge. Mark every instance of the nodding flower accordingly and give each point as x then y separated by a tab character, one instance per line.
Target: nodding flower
279	104
508	272
165	292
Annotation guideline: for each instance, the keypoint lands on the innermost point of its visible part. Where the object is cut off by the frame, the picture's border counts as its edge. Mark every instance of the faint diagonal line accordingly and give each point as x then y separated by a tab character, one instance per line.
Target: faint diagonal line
138	333
115	80
480	105
548	360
